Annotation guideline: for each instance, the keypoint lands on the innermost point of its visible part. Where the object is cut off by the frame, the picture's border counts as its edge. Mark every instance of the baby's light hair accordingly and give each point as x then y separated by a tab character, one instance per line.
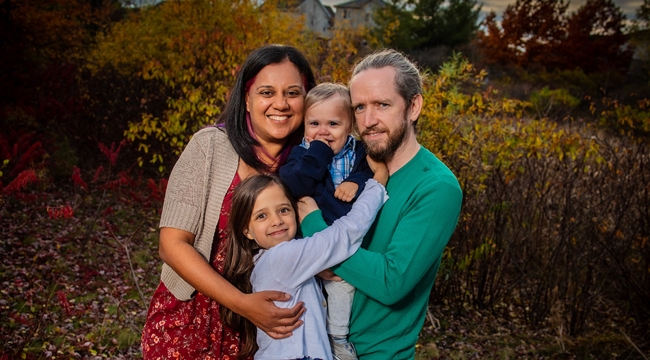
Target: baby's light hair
325	91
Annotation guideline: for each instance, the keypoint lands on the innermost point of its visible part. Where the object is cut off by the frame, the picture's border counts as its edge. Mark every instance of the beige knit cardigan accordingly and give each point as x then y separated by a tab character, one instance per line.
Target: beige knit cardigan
195	192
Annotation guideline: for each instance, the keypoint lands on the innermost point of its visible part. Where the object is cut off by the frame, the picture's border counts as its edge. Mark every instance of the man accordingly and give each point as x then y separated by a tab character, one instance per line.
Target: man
397	265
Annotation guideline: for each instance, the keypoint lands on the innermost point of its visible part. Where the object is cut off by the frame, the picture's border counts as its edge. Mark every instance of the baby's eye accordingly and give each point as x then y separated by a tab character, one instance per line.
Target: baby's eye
334	123
313	123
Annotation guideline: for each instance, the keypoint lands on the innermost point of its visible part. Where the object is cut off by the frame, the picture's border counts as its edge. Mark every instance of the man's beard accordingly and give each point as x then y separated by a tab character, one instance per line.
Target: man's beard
384	151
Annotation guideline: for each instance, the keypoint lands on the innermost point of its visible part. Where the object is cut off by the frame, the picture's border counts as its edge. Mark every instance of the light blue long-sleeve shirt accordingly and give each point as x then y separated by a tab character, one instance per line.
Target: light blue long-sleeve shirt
292	265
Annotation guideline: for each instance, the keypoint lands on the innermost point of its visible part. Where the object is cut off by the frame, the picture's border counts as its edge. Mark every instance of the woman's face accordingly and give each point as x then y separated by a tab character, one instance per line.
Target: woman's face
275	101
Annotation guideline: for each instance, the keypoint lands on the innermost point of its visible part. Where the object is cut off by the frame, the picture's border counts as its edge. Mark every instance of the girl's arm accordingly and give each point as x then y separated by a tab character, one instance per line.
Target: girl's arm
329	247
176	250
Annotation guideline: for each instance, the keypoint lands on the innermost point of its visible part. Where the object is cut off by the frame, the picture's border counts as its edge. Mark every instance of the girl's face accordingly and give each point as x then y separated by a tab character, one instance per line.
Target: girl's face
273	219
275	102
328	120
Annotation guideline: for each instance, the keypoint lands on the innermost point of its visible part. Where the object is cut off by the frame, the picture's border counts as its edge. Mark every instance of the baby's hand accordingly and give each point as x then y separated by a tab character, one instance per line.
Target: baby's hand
309	140
380	170
346	191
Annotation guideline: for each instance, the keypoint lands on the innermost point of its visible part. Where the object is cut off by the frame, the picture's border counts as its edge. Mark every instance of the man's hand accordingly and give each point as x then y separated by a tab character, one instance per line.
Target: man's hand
346	191
306	205
276	322
328	274
380	170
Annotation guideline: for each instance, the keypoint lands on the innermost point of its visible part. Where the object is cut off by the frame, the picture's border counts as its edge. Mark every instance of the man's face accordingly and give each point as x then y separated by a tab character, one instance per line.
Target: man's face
381	114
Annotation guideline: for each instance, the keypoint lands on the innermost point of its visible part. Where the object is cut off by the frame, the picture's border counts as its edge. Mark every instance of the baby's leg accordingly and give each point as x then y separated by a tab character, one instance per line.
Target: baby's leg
339	304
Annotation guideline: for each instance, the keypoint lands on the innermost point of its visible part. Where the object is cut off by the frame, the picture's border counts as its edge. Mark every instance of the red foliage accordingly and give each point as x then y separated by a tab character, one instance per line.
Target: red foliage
97	173
76	178
63	301
112	153
61	212
157	190
21	181
539	32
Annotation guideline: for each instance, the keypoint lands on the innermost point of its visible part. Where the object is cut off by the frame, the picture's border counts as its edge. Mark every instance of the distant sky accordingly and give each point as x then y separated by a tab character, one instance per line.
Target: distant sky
498	6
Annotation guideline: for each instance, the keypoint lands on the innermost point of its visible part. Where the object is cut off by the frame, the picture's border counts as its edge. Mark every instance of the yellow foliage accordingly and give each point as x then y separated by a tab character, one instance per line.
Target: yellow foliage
476	132
195	48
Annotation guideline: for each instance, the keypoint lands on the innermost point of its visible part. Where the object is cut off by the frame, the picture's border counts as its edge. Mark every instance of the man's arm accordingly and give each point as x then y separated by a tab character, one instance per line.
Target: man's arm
415	246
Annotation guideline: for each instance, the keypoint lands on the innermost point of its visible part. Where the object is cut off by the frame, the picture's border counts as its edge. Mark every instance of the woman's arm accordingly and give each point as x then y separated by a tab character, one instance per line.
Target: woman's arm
176	250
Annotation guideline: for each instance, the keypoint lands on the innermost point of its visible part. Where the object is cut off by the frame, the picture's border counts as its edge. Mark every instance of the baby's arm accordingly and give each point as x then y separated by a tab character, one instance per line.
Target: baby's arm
306	168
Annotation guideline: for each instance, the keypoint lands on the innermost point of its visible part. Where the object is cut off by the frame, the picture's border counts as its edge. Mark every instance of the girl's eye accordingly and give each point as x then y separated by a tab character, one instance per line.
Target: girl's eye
260	216
285	210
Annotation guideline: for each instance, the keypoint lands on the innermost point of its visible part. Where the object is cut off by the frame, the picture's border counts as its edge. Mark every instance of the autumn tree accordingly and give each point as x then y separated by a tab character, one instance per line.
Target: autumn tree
184	55
530	32
595	40
395	26
428	23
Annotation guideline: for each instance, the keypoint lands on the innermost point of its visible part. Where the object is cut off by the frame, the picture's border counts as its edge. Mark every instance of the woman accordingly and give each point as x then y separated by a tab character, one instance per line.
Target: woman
253	135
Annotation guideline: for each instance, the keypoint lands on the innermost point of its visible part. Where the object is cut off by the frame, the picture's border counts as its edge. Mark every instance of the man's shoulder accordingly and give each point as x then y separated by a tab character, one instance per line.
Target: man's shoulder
426	171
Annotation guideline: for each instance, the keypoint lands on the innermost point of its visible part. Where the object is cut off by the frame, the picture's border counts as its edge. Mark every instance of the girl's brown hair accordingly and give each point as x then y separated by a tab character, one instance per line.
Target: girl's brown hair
240	252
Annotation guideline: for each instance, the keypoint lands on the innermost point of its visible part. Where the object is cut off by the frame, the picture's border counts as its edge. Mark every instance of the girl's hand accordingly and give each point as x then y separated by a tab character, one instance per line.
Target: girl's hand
380	170
278	323
306	205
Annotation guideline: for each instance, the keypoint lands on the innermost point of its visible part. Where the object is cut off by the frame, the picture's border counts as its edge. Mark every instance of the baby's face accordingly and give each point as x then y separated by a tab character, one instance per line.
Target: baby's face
329	121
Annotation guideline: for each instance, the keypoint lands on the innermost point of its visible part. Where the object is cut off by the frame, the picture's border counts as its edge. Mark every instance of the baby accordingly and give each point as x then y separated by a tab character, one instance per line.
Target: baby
331	167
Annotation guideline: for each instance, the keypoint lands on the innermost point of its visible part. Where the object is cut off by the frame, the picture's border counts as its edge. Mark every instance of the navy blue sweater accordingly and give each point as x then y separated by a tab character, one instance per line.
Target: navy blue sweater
306	174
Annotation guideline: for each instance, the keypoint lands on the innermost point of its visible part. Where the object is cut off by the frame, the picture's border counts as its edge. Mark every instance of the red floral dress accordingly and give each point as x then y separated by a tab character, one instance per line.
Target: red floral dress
192	329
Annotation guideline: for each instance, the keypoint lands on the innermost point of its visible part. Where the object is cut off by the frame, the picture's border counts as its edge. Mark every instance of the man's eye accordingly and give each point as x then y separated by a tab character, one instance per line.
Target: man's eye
359	108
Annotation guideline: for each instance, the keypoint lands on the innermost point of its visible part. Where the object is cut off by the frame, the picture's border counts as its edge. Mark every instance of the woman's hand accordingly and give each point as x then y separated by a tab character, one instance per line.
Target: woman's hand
306	205
276	322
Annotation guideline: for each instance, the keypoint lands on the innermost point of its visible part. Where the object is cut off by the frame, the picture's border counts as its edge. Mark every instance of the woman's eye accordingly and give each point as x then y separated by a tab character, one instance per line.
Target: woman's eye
266	93
294	93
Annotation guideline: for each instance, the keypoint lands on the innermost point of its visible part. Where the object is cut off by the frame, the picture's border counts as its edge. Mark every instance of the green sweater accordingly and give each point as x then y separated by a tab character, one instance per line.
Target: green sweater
397	265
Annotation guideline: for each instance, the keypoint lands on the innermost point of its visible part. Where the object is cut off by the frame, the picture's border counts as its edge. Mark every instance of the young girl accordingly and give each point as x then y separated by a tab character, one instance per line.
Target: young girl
263	254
